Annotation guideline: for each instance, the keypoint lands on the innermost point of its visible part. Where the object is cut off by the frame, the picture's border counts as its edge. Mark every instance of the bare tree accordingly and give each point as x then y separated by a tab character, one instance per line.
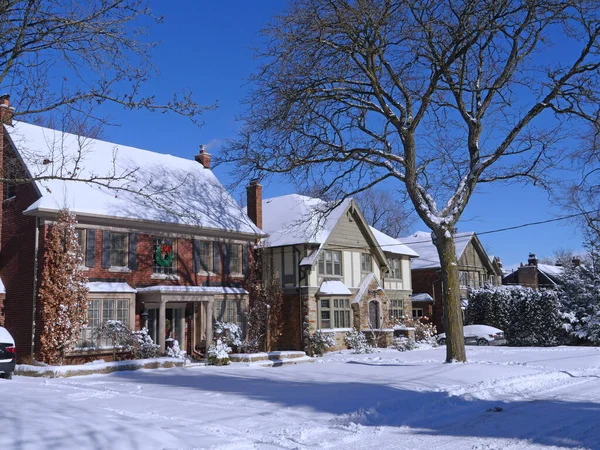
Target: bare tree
385	212
437	95
65	59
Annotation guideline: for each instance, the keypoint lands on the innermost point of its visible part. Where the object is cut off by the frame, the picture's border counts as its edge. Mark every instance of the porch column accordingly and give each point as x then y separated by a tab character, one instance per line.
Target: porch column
183	342
209	322
161	325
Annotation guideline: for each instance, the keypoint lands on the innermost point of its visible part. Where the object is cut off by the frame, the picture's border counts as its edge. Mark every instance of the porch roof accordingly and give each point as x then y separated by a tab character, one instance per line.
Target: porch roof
192	290
107	286
333	287
424	297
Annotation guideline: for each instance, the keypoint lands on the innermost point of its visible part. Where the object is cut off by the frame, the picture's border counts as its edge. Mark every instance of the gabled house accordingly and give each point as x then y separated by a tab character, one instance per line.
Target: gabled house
170	259
334	269
536	275
474	265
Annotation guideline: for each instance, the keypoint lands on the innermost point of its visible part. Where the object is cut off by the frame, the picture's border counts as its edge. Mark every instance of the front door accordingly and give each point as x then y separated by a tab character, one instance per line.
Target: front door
374	314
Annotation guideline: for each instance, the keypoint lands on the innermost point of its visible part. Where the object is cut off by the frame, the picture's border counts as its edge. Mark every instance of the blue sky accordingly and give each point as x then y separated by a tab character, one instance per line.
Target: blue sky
208	46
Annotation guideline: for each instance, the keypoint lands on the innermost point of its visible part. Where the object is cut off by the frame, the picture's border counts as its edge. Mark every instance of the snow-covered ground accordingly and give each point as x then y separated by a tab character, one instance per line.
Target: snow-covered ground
504	398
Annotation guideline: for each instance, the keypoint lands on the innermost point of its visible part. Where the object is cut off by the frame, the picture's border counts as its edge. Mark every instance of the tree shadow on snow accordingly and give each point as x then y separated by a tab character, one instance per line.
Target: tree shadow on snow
544	422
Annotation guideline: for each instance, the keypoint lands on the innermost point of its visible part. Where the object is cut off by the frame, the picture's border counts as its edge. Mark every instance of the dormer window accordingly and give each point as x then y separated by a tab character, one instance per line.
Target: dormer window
366	262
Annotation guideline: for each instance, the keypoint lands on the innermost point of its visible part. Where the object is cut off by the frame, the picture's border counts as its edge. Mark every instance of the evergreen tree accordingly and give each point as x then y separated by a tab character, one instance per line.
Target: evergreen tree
62	291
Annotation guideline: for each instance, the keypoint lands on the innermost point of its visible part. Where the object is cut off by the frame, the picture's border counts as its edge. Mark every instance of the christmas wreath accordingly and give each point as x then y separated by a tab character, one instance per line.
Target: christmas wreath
164	254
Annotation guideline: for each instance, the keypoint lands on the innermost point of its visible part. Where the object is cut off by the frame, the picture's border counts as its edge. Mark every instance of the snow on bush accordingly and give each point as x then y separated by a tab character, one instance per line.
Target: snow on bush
144	346
424	331
249	346
528	317
318	342
229	333
173	351
357	341
218	354
404	344
580	302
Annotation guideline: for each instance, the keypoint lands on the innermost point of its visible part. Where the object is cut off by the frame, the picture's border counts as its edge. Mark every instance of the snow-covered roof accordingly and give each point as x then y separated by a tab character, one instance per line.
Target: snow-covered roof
2	288
106	286
550	270
333	287
421	243
194	289
390	245
424	297
297	219
178	190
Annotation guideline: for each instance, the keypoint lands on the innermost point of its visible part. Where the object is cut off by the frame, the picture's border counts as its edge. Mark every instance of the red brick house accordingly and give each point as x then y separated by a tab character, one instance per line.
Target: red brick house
536	275
334	269
475	268
171	259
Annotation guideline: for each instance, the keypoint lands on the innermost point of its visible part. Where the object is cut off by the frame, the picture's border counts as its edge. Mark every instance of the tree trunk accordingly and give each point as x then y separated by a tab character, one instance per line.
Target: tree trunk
453	323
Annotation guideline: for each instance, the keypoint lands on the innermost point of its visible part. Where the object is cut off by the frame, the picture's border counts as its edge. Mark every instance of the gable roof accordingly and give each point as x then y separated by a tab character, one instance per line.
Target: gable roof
428	256
390	245
178	191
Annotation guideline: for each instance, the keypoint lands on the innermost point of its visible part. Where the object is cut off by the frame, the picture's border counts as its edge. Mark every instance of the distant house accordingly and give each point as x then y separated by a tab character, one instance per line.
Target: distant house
536	275
334	269
474	265
171	261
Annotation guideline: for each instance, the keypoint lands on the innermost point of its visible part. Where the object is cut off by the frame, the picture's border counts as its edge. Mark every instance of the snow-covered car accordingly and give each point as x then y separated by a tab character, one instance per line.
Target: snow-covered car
478	335
8	354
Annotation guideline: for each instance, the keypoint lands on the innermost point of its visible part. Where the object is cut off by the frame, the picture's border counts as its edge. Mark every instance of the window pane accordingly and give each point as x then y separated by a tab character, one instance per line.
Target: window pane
205	256
108	310
123	311
337	270
219	309
325	319
324	303
118	252
235	255
230	311
322	263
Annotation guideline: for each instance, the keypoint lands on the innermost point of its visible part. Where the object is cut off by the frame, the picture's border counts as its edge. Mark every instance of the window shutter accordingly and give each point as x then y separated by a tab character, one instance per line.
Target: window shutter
132	259
195	256
226	253
90	248
245	259
216	257
106	244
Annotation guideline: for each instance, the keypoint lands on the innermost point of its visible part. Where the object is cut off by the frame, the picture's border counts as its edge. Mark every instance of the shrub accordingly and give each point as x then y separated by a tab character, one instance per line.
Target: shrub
424	331
404	344
144	346
229	333
173	350
218	354
357	341
249	346
318	342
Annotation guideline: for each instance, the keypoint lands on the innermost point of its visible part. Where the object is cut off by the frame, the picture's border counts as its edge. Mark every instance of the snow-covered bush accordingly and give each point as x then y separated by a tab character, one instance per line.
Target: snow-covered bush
424	331
218	354
229	333
404	344
318	342
528	317
357	341
173	350
249	346
580	302
144	346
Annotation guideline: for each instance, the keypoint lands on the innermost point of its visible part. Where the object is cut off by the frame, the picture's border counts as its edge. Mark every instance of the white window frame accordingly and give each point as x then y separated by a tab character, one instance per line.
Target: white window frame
327	263
366	262
124	314
415	313
338	309
158	270
396	309
113	262
205	260
395	268
236	249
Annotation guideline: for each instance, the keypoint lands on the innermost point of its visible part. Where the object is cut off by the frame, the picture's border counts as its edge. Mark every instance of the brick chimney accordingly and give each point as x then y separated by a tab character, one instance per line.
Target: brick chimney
576	262
6	111
203	157
254	202
532	261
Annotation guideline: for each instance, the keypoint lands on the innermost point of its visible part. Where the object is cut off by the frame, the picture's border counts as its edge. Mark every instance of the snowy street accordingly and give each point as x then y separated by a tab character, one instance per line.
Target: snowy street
505	398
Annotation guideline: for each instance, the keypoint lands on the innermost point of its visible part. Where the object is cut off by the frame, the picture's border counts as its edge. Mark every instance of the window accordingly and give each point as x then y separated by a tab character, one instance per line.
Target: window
99	311
463	278
205	254
366	264
231	311
395	270
417	313
330	263
396	309
164	256
81	240
10	190
235	258
335	313
119	251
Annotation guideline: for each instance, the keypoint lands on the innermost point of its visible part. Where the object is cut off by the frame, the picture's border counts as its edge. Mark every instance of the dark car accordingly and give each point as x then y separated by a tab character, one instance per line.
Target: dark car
8	354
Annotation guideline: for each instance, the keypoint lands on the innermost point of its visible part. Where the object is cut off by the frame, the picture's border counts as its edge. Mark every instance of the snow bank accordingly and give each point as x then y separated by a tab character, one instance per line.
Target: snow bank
99	366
